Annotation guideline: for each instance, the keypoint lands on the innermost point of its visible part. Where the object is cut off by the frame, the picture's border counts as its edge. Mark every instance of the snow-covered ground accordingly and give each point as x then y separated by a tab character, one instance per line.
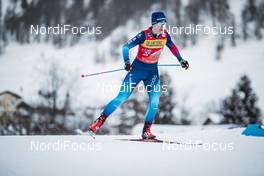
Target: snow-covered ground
224	152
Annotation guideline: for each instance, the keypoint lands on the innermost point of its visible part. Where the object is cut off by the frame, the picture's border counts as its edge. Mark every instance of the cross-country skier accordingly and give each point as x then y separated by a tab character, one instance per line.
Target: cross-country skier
144	68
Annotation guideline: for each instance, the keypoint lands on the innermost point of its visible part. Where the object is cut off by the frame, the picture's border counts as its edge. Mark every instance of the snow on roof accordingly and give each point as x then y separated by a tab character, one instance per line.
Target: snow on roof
11	93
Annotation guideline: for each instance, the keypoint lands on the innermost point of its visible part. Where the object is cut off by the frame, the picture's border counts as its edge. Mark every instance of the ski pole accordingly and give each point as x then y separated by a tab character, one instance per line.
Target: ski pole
120	69
99	73
168	65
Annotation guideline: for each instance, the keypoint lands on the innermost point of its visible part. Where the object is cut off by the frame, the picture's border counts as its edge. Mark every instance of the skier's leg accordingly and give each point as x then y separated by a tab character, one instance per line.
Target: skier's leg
153	87
130	82
127	87
152	107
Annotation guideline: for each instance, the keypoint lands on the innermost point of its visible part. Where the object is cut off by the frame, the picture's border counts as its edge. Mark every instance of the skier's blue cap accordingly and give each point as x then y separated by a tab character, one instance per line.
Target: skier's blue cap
157	17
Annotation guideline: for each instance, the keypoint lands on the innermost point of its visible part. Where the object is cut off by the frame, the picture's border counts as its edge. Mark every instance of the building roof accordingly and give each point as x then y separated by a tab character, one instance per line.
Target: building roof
11	93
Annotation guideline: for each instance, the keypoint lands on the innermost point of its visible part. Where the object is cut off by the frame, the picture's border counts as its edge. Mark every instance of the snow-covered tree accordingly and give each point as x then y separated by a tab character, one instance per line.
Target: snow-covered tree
252	19
241	107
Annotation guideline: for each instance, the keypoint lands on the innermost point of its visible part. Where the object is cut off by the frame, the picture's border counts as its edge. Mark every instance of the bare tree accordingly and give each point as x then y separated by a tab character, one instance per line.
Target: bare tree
52	87
55	103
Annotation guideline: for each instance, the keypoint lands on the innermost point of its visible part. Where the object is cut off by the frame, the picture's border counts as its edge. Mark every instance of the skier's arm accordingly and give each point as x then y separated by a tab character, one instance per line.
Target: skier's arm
173	48
138	39
176	52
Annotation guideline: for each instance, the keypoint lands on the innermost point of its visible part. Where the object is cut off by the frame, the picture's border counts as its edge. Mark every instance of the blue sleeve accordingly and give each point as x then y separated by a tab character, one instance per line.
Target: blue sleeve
169	42
138	39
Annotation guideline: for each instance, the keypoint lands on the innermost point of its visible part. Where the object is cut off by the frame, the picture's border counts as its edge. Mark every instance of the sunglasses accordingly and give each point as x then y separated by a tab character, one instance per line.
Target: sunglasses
161	24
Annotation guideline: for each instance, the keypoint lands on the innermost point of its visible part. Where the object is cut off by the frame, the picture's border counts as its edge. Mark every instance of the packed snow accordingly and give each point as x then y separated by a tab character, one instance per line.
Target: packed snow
224	152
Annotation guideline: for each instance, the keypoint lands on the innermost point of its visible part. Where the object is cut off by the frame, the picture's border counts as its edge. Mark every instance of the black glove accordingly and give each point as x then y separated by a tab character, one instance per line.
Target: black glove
128	67
184	64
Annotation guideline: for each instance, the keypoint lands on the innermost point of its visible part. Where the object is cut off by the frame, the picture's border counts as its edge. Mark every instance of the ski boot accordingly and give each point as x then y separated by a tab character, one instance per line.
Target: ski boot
146	133
97	123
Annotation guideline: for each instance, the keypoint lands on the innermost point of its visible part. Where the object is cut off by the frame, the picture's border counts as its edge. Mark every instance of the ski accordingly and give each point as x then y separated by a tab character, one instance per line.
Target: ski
159	141
85	133
92	135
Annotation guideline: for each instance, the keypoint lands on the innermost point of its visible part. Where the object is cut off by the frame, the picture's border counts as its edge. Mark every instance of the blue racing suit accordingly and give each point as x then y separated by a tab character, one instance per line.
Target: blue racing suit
144	68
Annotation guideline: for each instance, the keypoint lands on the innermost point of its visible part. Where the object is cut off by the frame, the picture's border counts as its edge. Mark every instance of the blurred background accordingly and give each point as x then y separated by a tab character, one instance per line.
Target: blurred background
41	91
